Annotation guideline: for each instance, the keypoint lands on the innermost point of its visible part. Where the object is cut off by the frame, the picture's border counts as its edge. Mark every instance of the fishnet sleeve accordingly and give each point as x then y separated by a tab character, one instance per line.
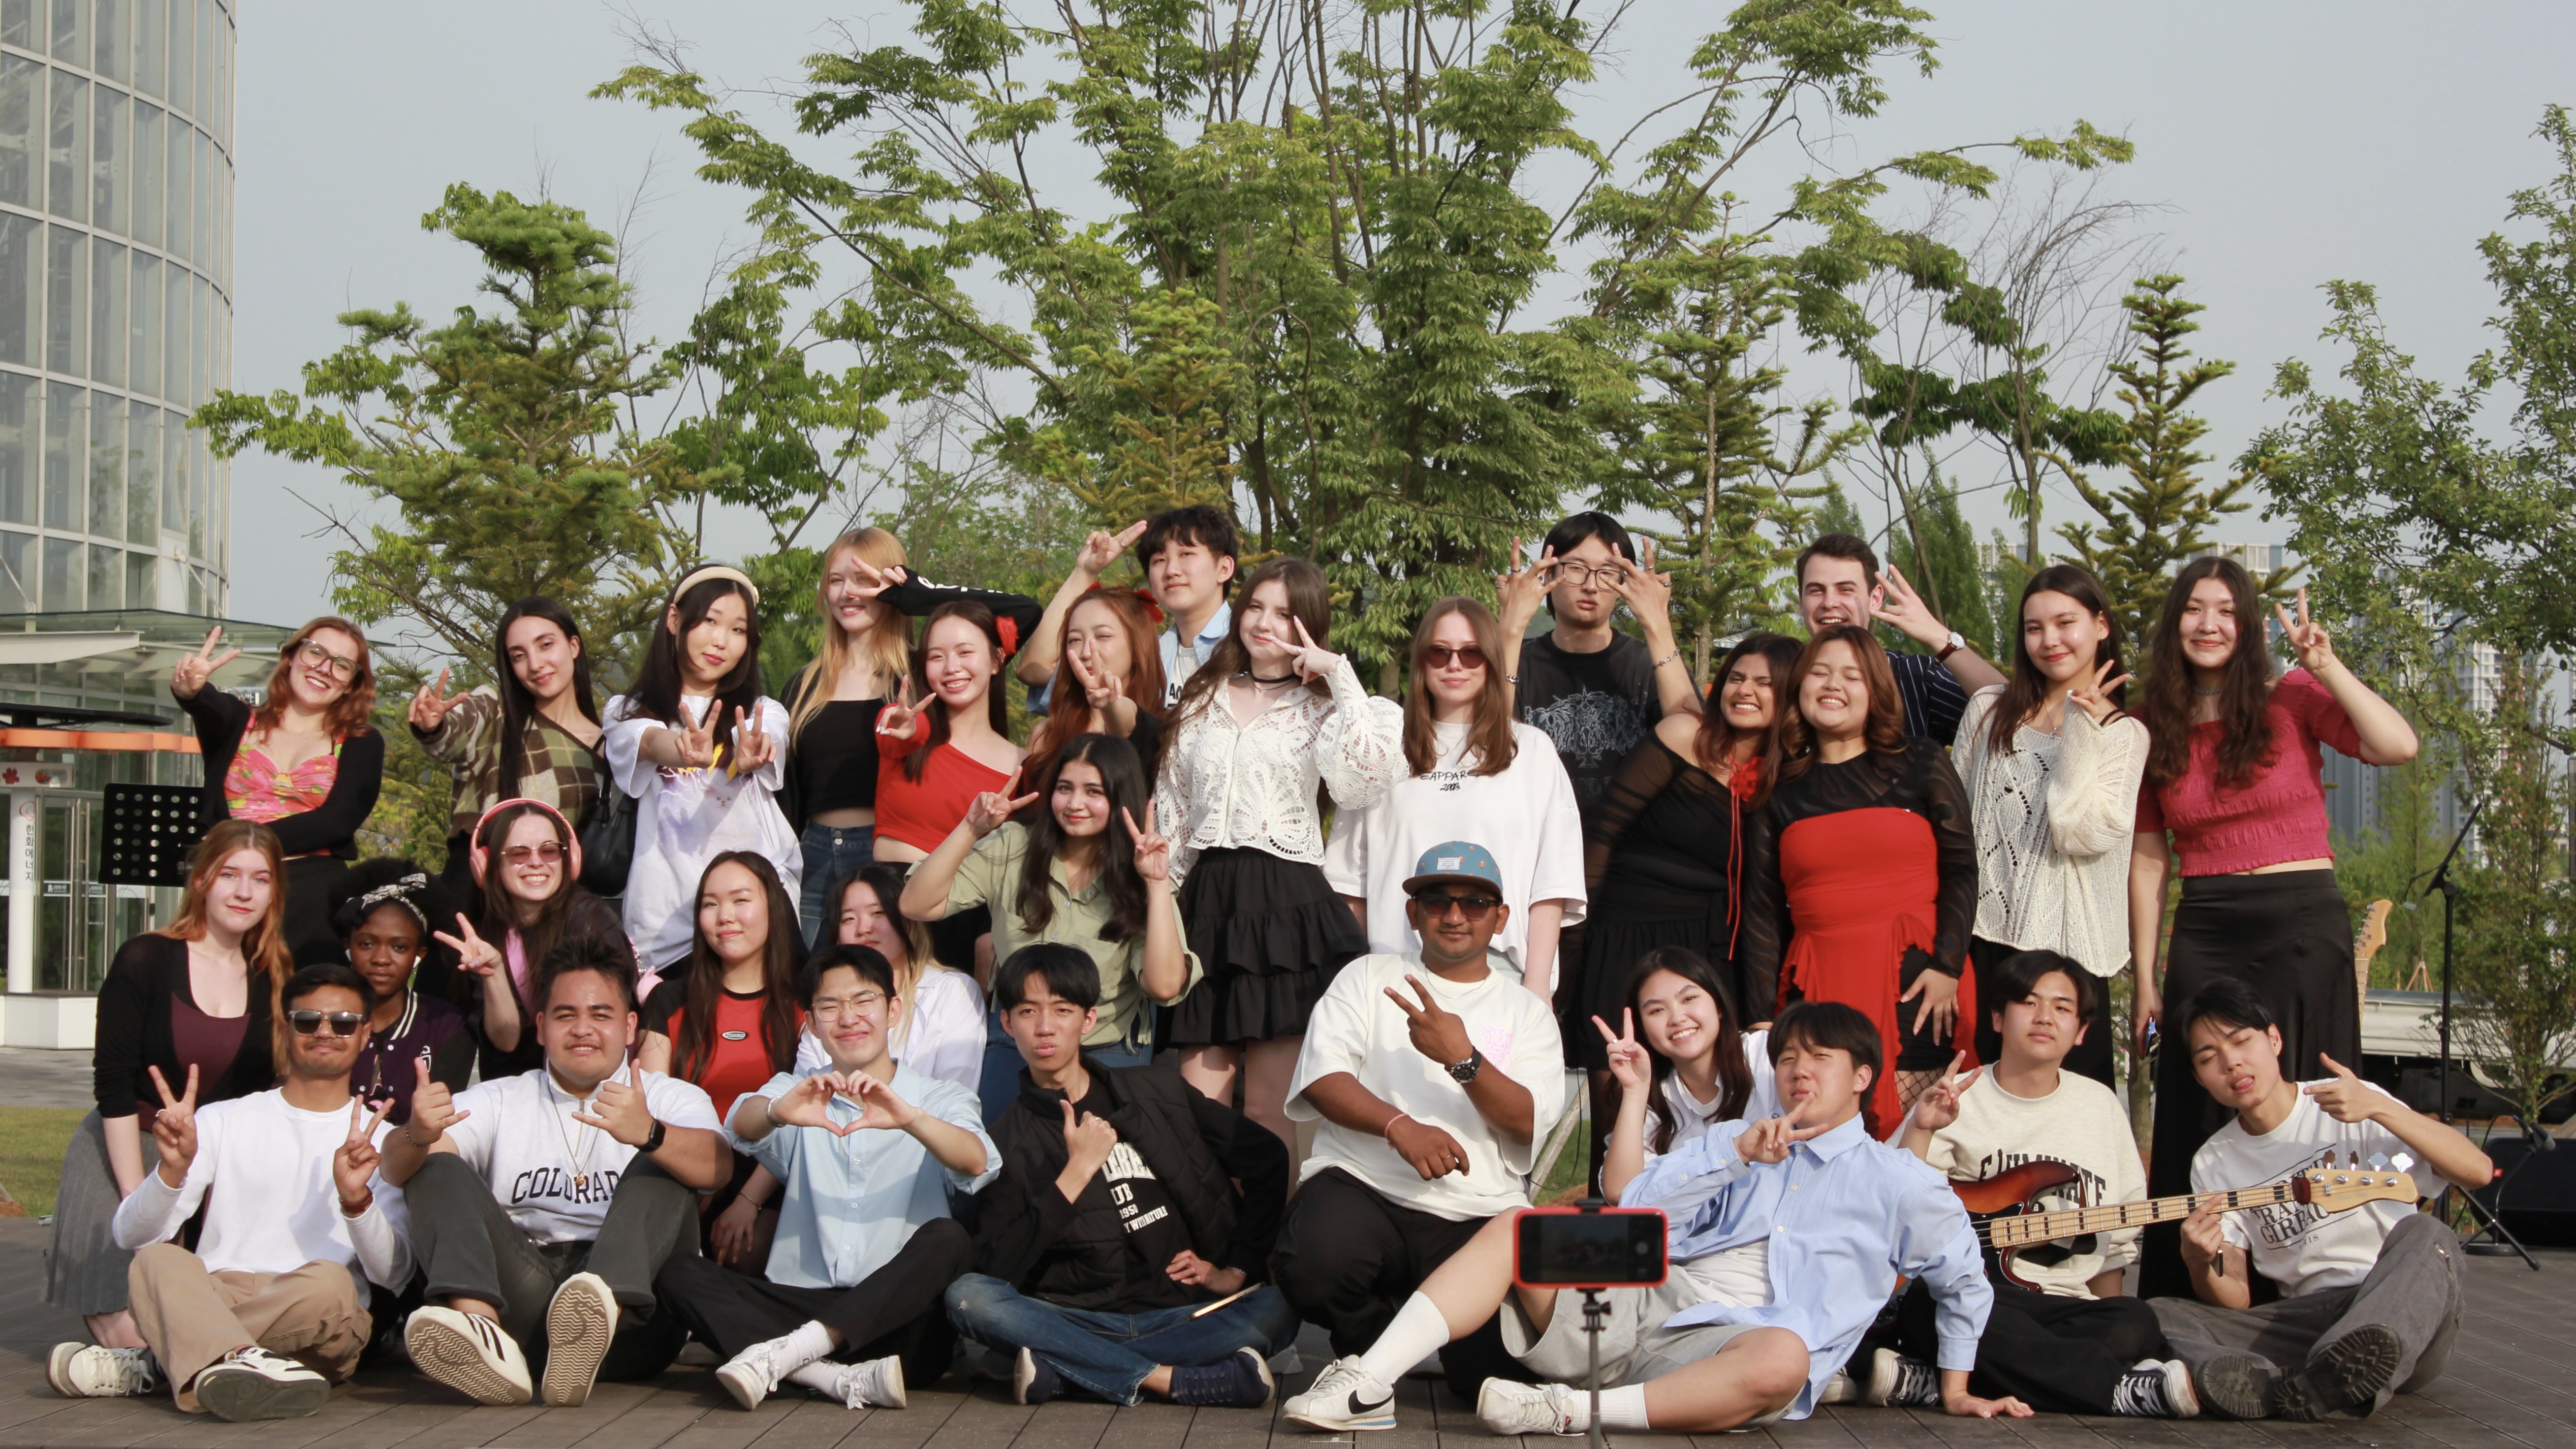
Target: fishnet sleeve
1954	844
1644	775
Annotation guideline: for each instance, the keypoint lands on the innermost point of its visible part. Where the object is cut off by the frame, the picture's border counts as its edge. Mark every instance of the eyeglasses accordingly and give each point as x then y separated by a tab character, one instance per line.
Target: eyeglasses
1436	905
548	851
1439	655
314	656
1607	575
343	1023
832	1008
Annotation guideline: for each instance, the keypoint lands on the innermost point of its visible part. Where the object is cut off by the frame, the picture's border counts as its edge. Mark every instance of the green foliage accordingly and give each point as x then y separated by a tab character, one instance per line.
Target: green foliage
2394	861
411	815
1939	554
2516	951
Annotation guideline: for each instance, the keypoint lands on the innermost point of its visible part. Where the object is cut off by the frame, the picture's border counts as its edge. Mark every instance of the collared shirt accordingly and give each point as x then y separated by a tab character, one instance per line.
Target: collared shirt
1934	698
990	876
1845	1217
852	1202
1181	660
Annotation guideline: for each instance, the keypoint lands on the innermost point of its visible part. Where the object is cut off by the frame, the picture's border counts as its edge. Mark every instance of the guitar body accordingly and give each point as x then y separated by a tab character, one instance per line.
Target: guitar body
2008	1194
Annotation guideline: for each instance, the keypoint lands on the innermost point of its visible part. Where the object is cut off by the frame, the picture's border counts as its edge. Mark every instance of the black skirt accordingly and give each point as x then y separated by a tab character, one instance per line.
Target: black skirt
2289	935
1270	936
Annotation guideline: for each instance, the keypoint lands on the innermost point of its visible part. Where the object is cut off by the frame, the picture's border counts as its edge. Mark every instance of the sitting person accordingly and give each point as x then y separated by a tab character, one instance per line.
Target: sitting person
868	1152
272	1307
1768	1292
2370	1298
551	1199
1423	1139
1118	1250
2070	1343
1695	1043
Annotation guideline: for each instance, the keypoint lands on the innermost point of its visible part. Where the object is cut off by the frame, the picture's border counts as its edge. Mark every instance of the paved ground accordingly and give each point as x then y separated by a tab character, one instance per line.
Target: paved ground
36	1077
2510	1386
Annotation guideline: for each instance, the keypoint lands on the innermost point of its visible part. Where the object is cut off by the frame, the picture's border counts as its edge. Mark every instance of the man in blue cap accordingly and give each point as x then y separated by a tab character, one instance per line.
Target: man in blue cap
1432	1077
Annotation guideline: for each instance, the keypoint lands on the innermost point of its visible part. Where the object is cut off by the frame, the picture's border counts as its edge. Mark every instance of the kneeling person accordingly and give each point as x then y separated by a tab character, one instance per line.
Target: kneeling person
550	1200
1118	1249
272	1307
1786	1237
2370	1298
868	1151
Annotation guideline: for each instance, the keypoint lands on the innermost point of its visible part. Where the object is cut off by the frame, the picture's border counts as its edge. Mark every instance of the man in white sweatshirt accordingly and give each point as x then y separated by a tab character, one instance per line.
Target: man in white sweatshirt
272	1307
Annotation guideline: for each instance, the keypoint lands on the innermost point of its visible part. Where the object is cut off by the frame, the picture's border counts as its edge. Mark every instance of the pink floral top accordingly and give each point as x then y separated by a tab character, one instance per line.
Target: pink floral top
255	790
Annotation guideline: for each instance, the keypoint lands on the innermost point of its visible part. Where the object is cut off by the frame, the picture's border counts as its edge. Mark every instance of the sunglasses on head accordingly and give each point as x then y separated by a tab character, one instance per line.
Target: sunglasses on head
343	1023
1439	655
1435	904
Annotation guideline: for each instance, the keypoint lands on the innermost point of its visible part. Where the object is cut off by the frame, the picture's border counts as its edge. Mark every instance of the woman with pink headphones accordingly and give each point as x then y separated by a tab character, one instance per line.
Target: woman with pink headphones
527	861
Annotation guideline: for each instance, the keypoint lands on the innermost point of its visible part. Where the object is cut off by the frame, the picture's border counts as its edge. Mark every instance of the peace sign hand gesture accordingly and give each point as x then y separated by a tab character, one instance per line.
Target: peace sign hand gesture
1103	548
355	1162
1627	1059
1104	692
2095	698
752	748
430	706
1906	610
1770	1139
190	674
1437	1033
696	743
992	808
2347	1098
1938	1107
174	1128
1311	660
2307	638
1520	590
474	955
899	716
1153	851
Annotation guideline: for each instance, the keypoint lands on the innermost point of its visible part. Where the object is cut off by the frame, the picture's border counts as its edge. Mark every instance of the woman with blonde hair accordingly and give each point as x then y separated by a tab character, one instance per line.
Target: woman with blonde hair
191	1007
305	763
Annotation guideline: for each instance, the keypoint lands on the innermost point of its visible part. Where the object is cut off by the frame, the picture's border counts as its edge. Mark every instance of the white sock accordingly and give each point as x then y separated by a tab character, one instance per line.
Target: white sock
810	1341
1418	1331
822	1376
1620	1408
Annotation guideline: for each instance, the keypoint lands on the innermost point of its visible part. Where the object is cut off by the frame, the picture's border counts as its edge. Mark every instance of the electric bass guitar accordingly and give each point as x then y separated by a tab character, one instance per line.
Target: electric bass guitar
2008	1219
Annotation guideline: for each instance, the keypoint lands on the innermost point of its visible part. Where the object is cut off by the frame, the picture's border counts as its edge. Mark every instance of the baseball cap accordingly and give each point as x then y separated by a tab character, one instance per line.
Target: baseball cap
1456	860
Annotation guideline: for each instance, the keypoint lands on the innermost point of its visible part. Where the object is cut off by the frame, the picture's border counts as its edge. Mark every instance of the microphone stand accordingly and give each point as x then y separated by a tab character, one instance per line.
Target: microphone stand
2489	1219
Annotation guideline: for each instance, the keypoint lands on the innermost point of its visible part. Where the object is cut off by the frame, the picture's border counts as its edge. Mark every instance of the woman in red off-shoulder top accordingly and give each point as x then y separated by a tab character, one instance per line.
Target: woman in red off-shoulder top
2232	773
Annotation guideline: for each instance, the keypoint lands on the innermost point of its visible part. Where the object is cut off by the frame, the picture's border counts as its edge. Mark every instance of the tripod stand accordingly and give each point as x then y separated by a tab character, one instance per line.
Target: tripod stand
2534	1142
1596	1315
2488	1220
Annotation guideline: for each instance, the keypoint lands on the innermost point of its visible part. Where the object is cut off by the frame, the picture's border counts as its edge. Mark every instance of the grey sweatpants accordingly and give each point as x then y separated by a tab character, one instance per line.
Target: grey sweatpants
2413	1291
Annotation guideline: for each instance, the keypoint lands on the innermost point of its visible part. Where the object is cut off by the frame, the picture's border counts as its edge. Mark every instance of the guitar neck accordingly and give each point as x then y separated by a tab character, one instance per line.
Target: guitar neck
2028	1228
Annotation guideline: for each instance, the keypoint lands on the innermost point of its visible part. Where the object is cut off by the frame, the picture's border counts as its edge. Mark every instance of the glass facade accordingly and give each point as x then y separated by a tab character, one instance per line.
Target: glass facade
116	191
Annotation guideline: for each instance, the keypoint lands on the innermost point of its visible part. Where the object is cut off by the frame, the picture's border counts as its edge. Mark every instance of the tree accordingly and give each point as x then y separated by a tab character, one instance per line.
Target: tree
1939	553
2393	860
2515	955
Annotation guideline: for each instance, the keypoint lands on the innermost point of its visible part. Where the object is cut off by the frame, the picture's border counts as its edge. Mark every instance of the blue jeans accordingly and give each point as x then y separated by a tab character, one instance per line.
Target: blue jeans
1110	1354
831	852
1000	1085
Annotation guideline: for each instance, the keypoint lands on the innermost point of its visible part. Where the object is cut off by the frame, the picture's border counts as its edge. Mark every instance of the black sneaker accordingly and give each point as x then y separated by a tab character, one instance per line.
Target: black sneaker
1241	1382
1035	1381
2345	1376
2156	1390
2238	1386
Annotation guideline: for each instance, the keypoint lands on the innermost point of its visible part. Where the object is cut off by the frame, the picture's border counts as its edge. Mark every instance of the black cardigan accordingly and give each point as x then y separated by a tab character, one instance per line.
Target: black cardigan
330	828
134	1031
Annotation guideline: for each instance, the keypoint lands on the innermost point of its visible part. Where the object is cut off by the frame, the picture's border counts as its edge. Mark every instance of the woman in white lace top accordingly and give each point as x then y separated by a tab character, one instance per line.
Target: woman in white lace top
2052	764
1271	716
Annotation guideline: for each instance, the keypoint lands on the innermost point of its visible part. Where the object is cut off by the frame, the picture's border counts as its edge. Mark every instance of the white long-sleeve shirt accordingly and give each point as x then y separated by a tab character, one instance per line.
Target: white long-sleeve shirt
263	1171
2054	817
684	818
1225	784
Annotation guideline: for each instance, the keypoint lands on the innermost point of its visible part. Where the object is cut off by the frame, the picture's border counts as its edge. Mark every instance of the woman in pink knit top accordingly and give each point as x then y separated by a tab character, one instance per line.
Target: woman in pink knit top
2232	773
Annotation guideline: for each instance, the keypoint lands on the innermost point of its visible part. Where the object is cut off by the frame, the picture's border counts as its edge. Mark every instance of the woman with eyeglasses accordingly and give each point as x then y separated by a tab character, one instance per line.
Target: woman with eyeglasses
194	1000
1472	772
941	1033
527	865
385	910
305	763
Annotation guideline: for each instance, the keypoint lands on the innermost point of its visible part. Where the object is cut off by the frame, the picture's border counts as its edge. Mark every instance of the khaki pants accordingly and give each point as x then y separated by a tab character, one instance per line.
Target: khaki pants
192	1318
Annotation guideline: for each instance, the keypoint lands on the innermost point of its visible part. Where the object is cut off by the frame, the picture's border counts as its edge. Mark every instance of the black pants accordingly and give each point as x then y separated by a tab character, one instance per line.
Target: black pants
895	1311
2058	1355
2091	1057
1348	1258
469	1248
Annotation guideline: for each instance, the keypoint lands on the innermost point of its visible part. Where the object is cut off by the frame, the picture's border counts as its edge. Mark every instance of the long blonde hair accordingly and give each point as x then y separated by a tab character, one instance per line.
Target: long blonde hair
263	946
889	633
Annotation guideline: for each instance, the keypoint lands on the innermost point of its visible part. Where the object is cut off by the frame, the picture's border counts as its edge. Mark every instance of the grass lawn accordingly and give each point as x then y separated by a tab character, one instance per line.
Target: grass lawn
31	1152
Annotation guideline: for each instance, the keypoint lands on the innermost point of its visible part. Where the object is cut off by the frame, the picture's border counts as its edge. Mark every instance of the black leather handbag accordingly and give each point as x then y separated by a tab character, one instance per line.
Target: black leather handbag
608	841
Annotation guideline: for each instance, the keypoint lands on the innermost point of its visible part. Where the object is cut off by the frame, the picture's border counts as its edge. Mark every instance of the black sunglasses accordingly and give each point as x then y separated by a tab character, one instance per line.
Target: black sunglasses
1438	656
343	1023
1436	904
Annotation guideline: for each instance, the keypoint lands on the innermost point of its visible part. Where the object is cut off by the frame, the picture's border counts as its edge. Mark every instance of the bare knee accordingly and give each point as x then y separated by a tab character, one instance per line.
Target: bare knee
1775	1367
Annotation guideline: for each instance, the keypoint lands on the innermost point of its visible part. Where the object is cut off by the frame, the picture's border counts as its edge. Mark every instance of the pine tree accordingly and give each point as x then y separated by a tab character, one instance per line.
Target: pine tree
1942	561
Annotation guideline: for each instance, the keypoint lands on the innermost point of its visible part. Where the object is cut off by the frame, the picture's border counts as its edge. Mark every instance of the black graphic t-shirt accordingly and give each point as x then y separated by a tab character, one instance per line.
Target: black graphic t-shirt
1596	707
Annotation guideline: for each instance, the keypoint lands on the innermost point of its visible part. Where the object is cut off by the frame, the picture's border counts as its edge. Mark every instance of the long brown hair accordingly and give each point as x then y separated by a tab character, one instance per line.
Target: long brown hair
2027	687
1310	599
1715	740
885	884
995	707
693	1045
1068	708
1734	1077
1883	730
500	909
348	715
1489	733
2245	746
1122	779
889	635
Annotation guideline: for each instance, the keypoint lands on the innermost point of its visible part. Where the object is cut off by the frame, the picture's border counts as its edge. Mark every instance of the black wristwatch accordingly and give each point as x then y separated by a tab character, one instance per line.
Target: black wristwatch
1464	1072
653	1143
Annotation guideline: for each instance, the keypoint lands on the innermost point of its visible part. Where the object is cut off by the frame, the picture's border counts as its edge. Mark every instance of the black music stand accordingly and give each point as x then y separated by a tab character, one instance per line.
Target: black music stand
151	829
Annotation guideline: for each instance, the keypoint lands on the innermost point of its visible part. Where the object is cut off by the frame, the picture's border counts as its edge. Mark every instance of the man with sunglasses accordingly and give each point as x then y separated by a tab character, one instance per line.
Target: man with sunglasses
272	1307
1433	1078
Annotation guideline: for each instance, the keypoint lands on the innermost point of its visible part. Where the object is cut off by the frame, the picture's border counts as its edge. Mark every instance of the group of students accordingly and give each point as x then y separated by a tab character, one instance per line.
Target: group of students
852	971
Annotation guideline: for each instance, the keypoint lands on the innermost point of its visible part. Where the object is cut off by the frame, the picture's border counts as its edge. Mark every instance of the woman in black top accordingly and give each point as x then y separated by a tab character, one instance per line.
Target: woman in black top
306	763
193	1000
384	912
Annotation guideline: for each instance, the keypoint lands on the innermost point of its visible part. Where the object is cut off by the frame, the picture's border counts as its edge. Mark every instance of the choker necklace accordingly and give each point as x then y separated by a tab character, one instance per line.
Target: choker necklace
1273	683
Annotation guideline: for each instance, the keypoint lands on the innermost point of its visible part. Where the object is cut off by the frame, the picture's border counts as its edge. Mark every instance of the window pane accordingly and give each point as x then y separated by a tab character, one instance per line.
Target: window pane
174	352
145	335
109	158
63	575
151	46
151	169
107	312
66	428
67	148
141	576
106	465
112	31
106	578
22	24
176	217
174	473
201	355
17	559
17	447
66	301
201	467
183	45
221	107
22	84
204	252
204	46
71	31
143	475
22	287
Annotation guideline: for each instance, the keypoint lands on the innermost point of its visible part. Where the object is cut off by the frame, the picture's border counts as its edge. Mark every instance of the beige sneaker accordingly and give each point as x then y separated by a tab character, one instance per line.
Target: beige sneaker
579	1323
469	1353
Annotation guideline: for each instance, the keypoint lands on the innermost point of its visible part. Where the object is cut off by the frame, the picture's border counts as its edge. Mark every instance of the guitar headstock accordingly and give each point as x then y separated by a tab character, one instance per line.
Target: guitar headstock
2372	935
2339	1189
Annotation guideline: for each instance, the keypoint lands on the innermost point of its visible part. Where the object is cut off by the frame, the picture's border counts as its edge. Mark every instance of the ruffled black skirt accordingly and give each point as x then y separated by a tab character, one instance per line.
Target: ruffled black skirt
1270	936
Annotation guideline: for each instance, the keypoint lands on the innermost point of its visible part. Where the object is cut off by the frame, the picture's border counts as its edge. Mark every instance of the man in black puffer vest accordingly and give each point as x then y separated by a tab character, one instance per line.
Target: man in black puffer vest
1117	1225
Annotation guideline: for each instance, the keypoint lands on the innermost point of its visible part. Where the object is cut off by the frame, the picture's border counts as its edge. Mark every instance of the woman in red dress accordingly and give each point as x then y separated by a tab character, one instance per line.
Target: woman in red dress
1864	888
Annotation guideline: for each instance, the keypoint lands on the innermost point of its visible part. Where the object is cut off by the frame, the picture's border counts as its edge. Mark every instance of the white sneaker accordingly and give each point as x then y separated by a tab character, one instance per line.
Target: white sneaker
467	1352
87	1371
753	1374
876	1384
1839	1389
252	1383
1504	1407
1343	1398
580	1321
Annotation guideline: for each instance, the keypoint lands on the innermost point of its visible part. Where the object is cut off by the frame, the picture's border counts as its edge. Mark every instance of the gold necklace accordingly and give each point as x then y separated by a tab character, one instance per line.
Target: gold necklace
580	1161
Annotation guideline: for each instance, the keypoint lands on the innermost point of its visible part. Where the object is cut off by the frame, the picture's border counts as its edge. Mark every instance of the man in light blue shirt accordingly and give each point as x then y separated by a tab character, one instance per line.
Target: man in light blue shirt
868	1151
1786	1238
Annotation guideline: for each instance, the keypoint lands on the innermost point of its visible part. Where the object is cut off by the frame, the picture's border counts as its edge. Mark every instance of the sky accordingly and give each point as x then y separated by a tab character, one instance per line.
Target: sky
2278	146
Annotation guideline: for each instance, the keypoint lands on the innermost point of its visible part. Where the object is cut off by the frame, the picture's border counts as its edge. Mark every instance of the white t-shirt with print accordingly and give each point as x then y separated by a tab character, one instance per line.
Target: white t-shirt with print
554	1175
2294	1245
1356	1029
2082	1125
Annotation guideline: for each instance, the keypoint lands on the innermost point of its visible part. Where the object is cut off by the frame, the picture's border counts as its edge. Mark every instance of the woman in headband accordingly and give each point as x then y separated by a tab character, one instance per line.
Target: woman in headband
385	911
527	865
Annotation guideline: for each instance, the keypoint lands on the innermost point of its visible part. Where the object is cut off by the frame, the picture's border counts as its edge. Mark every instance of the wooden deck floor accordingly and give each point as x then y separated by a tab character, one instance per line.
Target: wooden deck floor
2512	1382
